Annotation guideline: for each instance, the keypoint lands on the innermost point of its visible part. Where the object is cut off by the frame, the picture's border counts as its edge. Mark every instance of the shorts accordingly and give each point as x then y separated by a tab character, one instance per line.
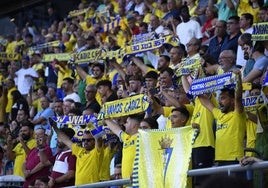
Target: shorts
202	157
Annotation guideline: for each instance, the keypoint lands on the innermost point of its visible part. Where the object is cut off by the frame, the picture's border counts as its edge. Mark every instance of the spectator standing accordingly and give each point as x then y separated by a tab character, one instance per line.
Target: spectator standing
25	77
38	160
22	149
233	29
40	120
231	124
215	44
188	28
63	171
88	156
67	87
128	137
246	22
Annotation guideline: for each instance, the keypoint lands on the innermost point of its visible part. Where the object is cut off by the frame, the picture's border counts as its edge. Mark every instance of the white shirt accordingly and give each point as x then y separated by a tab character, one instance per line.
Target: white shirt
73	96
240	53
186	31
139	8
24	83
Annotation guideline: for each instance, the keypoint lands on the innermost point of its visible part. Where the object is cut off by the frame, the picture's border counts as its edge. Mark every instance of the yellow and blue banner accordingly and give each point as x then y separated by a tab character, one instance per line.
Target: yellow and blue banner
260	31
89	120
212	83
113	24
123	107
252	103
162	157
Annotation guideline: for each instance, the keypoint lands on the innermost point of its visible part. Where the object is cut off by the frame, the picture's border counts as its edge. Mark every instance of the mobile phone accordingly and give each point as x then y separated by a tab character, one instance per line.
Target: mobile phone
153	91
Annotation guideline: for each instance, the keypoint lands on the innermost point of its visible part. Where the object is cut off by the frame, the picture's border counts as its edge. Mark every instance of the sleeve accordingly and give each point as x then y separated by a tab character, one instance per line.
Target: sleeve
167	111
33	73
76	150
216	113
47	113
124	136
198	31
71	162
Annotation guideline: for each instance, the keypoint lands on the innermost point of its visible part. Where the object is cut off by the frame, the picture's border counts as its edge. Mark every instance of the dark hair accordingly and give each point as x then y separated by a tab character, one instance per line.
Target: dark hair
69	80
152	122
76	111
68	131
167	58
259	46
248	16
101	66
256	86
27	123
183	111
104	83
246	38
137	117
236	18
143	24
209	59
16	96
44	89
151	74
231	92
168	70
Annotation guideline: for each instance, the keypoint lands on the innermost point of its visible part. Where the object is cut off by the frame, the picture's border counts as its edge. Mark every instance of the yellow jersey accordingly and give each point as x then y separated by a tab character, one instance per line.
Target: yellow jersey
230	134
87	165
129	150
21	157
203	117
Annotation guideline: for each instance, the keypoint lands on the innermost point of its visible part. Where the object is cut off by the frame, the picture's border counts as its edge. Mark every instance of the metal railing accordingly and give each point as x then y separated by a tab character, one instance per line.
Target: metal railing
229	169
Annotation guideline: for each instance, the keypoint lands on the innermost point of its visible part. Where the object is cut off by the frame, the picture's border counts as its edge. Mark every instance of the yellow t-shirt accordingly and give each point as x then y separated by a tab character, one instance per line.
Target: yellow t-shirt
129	150
230	134
38	66
62	73
9	100
10	49
21	157
107	156
251	135
37	104
147	18
203	117
87	165
244	7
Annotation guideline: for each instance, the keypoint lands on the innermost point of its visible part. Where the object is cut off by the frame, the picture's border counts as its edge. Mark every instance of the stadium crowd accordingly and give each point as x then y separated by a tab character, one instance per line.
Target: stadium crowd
218	34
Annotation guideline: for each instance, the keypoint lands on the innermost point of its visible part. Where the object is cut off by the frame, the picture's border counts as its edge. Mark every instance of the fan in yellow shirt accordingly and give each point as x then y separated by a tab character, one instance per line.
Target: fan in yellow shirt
128	137
88	156
21	150
231	124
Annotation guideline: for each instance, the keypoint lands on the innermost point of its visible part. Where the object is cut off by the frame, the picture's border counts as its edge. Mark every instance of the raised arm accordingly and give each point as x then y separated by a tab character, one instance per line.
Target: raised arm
238	93
205	101
115	128
230	4
80	72
65	139
140	64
